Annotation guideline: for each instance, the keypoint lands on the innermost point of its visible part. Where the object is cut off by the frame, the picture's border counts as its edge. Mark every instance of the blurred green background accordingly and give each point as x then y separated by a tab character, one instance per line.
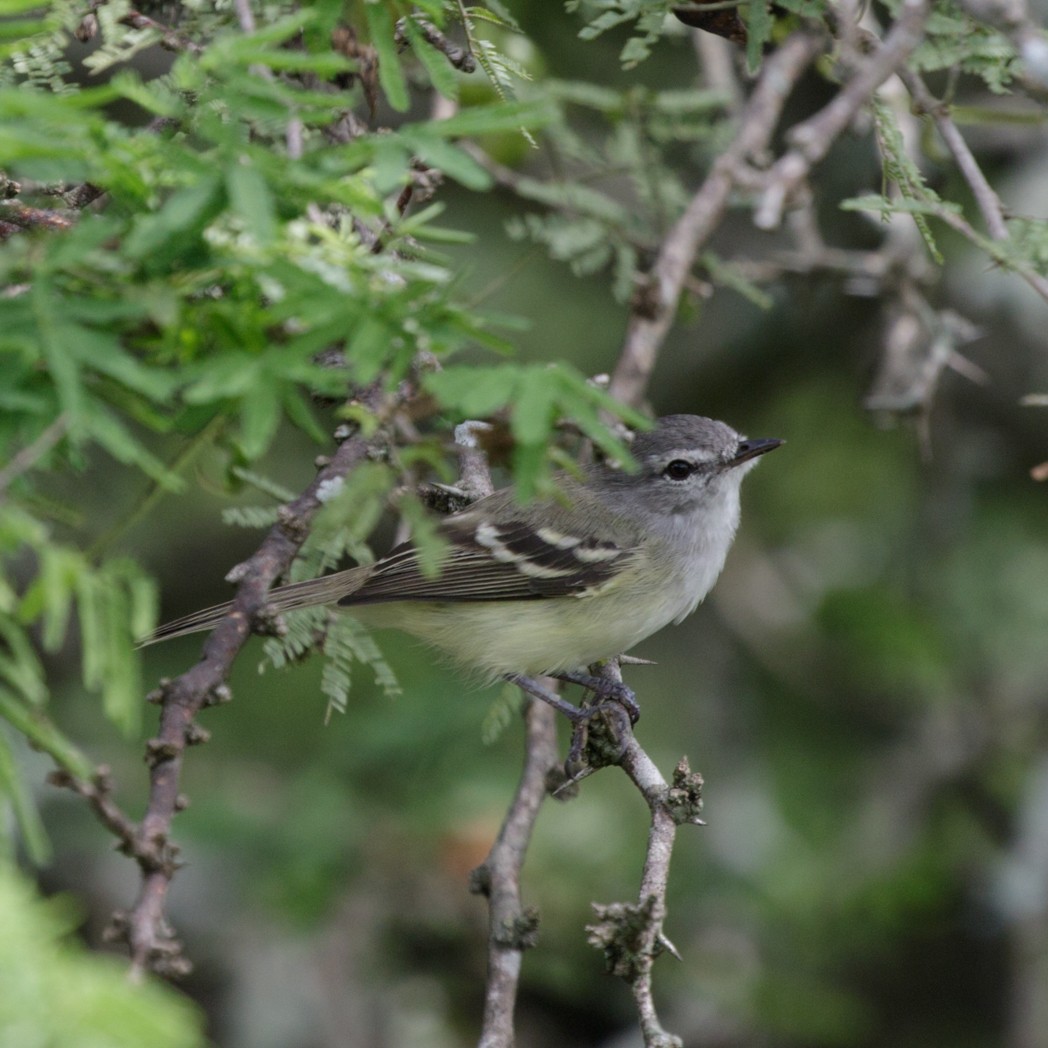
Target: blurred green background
865	693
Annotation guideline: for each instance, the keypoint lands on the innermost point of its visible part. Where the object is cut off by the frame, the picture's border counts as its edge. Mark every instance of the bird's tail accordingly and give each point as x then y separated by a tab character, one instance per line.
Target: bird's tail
307	594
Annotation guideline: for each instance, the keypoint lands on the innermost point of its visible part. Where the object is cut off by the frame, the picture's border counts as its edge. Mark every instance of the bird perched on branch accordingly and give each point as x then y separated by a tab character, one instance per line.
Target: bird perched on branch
558	584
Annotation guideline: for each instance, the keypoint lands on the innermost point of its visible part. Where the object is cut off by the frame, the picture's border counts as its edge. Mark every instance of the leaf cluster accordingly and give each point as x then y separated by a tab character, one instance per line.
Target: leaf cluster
625	159
52	991
258	247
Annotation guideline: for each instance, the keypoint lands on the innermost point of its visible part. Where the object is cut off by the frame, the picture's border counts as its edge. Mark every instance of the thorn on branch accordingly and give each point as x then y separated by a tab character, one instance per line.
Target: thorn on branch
562	786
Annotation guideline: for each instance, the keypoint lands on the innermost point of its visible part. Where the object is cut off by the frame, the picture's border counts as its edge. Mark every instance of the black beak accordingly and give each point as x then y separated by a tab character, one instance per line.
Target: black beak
749	449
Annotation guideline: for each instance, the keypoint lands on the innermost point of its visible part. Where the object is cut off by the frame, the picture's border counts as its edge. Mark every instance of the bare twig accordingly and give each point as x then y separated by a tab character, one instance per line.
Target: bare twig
460	57
245	16
631	936
21	216
98	792
811	140
145	929
169	39
959	224
985	197
512	926
653	310
25	459
716	60
474	474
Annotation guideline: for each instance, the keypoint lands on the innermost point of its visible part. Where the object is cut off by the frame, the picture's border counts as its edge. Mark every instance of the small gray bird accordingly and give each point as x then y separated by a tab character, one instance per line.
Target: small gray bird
558	584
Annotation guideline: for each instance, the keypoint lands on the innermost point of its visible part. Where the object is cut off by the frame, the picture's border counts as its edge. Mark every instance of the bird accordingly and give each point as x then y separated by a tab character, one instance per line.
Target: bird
561	583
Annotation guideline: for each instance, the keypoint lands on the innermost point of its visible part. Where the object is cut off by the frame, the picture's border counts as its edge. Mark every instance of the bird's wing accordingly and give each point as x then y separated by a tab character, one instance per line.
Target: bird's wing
510	560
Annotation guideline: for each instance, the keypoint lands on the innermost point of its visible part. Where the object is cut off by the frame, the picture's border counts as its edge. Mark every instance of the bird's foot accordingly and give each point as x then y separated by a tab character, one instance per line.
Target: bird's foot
605	690
600	730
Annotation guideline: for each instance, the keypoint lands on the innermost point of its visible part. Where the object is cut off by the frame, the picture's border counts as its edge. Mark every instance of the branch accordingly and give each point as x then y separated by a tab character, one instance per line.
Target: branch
511	925
460	57
811	140
20	217
654	309
169	39
144	928
631	936
959	224
25	459
985	196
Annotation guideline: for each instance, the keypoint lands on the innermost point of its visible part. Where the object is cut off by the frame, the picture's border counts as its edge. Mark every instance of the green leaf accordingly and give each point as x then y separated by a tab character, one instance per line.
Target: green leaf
30	826
474	391
491	119
729	276
121	690
448	158
102	352
61	363
500	713
44	735
110	433
50	596
250	198
92	630
432	548
231	374
259	418
390	75
57	993
533	407
759	23
181	217
153	97
19	666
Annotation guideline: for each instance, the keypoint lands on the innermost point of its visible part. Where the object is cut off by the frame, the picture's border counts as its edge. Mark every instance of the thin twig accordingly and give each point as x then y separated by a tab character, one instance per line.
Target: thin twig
152	943
21	216
632	936
169	39
512	926
25	459
986	198
474	472
653	312
459	57
811	140
959	224
245	16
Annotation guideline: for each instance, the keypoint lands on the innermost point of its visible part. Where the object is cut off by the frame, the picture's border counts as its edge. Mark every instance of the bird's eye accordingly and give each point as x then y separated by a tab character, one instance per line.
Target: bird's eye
678	469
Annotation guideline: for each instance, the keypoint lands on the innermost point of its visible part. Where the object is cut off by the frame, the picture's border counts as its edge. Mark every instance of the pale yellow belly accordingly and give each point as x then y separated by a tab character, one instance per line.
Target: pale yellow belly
542	636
